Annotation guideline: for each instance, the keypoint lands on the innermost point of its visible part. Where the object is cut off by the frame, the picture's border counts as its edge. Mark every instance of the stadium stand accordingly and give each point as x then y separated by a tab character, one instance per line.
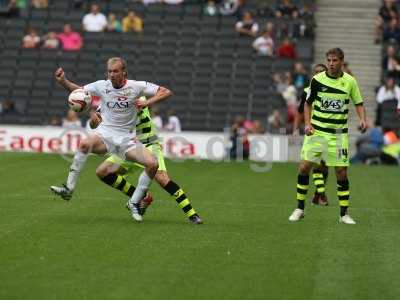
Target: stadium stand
214	73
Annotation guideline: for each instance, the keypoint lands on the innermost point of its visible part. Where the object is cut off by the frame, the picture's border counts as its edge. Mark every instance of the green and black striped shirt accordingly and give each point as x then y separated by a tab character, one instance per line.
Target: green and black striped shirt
330	98
146	131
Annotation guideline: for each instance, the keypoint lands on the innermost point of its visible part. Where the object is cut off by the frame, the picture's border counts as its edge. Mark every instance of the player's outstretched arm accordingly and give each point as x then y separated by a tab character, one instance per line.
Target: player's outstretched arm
59	76
161	95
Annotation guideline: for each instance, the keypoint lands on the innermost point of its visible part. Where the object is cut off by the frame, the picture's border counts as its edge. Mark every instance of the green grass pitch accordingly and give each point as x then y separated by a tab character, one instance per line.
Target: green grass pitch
90	248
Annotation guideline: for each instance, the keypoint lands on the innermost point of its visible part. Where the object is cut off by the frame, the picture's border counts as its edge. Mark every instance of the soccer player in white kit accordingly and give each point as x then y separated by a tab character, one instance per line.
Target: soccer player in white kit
116	134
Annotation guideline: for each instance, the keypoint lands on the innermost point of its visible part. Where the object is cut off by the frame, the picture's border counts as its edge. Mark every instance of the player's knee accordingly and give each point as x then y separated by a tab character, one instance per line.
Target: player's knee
341	174
162	178
153	165
85	146
102	171
304	168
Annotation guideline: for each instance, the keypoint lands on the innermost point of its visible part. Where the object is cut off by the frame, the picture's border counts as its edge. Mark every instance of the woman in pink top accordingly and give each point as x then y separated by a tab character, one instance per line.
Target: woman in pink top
70	40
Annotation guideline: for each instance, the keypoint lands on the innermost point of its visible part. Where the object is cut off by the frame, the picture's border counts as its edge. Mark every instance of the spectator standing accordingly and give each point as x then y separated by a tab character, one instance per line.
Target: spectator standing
275	123
173	124
7	107
113	24
132	23
71	120
290	97
240	145
95	21
286	9
300	76
31	40
70	40
50	41
247	26
264	45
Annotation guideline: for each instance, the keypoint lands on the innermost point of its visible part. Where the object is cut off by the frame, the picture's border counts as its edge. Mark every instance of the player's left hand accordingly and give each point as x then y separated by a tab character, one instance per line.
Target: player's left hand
362	126
140	104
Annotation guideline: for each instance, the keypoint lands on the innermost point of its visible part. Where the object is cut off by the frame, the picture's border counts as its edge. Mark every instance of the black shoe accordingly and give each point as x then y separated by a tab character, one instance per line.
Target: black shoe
63	191
195	219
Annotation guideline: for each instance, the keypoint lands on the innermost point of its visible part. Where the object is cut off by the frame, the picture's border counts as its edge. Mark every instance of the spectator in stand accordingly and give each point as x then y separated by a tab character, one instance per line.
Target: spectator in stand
31	40
156	118
390	62
392	32
290	97
257	127
369	145
240	145
55	121
247	26
297	26
300	76
70	40
387	12
264	45
71	120
50	41
40	3
10	10
229	7
173	124
279	83
270	28
275	123
113	24
95	21
7	107
285	9
287	49
389	91
132	23
210	9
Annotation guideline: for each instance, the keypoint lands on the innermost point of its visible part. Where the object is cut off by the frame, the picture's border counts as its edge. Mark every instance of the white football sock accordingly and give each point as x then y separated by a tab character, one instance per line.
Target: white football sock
142	186
76	167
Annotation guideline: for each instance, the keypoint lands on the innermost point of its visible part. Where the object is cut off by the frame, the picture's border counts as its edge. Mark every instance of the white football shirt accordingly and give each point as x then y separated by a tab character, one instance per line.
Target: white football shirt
118	105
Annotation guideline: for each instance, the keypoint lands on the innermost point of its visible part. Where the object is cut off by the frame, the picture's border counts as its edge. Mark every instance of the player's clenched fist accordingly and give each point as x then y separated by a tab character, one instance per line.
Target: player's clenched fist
59	74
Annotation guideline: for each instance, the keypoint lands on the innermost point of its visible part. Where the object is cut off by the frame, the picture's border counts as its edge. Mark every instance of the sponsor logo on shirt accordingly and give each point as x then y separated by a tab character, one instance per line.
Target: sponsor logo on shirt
331	105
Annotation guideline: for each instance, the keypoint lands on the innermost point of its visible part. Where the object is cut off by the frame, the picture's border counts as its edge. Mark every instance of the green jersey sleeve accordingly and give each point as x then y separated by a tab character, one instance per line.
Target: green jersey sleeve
355	94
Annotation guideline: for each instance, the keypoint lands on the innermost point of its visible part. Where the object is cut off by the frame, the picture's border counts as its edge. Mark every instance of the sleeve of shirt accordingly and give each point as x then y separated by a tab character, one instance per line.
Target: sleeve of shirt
380	95
356	94
312	92
303	96
94	88
254	28
148	89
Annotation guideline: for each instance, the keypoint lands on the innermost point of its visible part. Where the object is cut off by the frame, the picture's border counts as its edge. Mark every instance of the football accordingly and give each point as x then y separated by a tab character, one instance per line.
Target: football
79	100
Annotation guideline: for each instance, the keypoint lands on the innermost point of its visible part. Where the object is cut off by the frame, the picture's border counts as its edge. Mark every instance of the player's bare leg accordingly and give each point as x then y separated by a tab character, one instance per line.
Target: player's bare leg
144	157
92	144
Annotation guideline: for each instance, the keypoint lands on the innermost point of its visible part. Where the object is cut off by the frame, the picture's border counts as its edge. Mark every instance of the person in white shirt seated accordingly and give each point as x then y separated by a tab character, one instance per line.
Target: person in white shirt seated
264	45
388	91
95	21
173	124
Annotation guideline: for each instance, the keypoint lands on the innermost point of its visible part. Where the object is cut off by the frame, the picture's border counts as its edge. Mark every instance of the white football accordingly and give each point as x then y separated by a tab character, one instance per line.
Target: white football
79	100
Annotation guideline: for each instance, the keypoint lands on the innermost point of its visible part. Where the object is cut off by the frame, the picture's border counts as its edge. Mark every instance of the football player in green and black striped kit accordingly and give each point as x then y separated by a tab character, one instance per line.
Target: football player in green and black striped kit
325	116
113	170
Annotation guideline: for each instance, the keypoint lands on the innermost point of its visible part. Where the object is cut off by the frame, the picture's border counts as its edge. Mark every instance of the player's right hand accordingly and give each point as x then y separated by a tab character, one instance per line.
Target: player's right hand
59	74
309	130
95	120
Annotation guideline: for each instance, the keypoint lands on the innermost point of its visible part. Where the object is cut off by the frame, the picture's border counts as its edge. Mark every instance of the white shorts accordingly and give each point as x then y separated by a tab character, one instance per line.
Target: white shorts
118	142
